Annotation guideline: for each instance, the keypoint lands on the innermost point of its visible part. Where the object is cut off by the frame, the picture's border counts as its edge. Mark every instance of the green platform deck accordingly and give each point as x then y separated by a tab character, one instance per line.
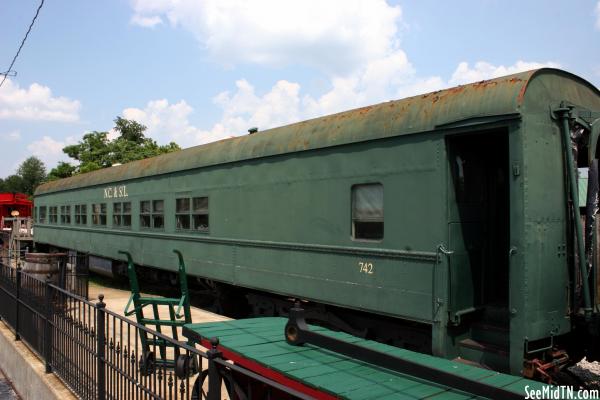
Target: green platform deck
260	343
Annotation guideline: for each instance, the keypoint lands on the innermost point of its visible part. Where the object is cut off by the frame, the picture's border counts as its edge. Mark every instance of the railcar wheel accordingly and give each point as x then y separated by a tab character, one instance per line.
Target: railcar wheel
147	363
234	391
198	392
186	365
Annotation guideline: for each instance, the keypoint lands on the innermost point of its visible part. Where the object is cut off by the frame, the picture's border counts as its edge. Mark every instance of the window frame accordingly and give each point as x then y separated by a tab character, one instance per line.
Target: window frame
43	214
81	214
192	213
65	214
53	215
97	217
120	214
354	219
152	214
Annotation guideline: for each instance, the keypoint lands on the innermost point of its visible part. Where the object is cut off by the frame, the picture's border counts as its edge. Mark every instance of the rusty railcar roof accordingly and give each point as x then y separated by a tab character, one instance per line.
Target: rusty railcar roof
420	113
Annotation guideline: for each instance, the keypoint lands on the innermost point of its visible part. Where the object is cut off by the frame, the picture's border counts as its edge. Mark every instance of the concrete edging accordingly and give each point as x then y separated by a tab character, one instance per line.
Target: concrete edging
26	371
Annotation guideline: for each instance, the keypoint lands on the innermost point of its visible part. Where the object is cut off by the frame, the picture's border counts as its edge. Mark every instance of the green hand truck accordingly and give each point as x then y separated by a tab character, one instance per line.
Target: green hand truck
184	365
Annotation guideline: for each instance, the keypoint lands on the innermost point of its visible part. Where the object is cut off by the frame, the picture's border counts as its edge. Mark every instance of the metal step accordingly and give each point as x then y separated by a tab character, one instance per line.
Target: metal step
486	354
490	333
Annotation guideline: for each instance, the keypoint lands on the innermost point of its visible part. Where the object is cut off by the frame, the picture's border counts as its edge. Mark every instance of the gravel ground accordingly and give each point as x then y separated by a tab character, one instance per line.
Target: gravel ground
588	372
6	390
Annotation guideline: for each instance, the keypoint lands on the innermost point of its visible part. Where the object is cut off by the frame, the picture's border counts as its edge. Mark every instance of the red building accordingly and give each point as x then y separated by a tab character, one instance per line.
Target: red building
10	202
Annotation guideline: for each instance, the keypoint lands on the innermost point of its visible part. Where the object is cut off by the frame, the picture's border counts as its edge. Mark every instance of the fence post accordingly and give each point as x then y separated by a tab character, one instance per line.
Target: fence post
214	378
48	326
101	340
18	300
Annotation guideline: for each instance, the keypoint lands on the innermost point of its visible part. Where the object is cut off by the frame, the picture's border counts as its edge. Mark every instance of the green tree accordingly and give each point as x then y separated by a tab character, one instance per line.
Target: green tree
131	131
14	184
96	151
62	170
32	172
94	148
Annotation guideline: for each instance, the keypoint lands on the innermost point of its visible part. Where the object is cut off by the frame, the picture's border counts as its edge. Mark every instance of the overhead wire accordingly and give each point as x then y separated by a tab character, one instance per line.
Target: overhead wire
22	43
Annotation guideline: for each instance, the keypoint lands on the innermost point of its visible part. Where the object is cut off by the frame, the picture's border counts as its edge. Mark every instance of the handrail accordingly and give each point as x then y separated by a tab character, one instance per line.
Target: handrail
564	114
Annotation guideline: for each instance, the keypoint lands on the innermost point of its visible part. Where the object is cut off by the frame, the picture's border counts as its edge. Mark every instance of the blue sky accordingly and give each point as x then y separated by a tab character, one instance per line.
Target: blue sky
198	71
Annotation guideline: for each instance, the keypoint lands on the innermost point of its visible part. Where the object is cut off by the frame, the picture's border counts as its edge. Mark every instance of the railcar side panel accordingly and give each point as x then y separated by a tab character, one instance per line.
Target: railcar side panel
284	224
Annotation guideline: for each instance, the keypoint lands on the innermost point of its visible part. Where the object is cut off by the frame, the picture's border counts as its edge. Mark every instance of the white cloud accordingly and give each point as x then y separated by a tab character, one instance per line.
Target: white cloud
597	12
35	103
335	36
165	122
12	136
389	78
483	70
392	77
50	151
146	22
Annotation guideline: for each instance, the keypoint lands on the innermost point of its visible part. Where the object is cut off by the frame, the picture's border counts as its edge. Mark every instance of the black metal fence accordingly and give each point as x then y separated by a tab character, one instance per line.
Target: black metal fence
98	353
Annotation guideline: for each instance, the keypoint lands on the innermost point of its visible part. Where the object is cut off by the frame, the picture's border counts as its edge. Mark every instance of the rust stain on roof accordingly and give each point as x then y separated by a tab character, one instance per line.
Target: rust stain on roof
400	117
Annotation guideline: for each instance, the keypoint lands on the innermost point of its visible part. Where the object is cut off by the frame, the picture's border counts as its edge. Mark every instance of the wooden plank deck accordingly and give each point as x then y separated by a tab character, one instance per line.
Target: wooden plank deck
260	343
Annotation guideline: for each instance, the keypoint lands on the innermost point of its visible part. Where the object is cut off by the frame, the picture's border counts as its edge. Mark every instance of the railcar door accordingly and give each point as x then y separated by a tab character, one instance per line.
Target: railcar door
478	226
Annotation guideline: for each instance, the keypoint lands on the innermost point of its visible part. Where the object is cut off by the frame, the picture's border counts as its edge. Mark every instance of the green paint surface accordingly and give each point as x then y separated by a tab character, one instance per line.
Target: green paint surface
262	340
280	207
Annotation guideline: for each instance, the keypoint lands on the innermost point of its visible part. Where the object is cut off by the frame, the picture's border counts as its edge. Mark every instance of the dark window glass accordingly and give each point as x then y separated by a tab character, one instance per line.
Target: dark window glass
144	207
144	221
158	221
201	222
367	211
200	204
182	221
182	205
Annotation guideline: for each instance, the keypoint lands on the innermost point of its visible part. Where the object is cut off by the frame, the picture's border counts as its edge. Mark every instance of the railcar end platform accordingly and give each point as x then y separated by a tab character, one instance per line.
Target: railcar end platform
259	344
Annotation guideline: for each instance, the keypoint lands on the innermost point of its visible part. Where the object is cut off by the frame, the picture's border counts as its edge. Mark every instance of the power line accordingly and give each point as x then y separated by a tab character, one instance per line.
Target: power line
9	70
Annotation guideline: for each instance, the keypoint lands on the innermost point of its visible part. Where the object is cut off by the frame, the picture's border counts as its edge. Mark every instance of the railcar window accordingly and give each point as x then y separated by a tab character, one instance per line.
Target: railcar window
182	213
53	214
158	218
192	214
152	214
81	214
99	214
65	215
200	213
122	214
145	214
42	215
367	211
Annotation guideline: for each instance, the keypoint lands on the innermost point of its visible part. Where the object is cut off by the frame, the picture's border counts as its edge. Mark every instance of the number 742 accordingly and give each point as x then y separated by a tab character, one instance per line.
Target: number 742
366	267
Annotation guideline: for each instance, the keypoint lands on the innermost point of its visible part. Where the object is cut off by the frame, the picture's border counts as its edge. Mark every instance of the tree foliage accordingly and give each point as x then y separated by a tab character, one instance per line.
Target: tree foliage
97	151
32	172
62	170
29	175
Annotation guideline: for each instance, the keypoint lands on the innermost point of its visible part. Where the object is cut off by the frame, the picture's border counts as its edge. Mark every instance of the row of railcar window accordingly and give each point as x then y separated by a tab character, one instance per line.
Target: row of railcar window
191	213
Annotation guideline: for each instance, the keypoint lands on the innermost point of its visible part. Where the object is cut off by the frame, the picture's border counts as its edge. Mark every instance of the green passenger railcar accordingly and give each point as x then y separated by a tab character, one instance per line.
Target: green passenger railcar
445	216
